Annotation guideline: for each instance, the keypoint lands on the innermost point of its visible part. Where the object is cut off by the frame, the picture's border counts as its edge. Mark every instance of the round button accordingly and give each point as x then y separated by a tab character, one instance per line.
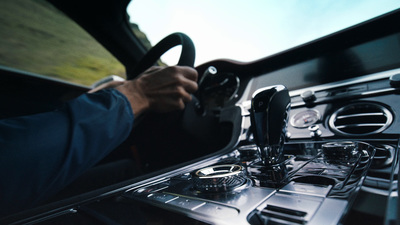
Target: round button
315	131
308	96
395	80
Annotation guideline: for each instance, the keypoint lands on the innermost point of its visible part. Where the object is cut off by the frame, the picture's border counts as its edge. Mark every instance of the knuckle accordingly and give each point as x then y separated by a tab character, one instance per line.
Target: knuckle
187	98
172	69
195	86
180	91
180	80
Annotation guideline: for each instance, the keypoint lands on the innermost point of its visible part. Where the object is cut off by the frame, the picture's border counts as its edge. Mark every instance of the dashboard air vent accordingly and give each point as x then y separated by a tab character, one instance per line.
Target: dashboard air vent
359	119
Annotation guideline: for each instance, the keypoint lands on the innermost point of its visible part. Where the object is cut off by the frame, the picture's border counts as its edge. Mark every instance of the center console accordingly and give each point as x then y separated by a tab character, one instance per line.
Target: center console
315	187
264	181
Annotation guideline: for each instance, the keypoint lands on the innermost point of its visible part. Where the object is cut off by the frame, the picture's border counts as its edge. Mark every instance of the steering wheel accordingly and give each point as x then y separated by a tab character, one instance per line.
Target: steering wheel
177	131
187	56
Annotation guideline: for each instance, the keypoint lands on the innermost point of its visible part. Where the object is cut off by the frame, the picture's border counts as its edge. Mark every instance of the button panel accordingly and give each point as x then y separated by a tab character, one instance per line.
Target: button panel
202	207
217	210
186	203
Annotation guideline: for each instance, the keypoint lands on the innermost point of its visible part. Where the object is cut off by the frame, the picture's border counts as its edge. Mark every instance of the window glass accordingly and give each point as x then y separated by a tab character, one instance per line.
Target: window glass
38	38
249	30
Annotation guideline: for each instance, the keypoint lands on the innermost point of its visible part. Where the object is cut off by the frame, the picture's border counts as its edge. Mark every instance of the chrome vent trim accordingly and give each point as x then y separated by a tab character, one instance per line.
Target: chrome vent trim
359	119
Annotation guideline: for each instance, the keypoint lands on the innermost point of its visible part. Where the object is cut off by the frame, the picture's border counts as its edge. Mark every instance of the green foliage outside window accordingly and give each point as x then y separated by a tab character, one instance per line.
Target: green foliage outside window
37	38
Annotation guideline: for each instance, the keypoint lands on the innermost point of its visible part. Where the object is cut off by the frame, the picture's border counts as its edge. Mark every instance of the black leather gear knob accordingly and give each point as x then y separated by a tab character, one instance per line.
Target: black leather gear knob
269	115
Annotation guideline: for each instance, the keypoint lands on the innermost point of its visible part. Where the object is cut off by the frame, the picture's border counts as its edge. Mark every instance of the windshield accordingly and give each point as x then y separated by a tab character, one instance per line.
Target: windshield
249	30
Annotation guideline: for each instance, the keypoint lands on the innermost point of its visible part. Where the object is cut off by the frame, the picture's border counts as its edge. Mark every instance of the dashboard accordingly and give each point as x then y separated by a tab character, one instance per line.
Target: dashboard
333	171
323	176
340	152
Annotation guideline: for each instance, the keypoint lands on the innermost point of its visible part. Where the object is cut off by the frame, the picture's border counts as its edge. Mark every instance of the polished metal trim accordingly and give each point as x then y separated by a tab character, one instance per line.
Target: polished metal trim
245	104
357	80
51	216
380	126
361	125
214	172
293	117
360	114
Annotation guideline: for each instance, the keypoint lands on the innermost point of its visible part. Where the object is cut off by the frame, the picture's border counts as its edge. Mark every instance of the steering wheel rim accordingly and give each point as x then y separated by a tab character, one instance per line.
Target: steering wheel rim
187	57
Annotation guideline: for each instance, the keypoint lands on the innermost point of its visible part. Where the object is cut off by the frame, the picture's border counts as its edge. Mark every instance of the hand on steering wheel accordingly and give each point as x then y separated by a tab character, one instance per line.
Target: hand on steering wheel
161	89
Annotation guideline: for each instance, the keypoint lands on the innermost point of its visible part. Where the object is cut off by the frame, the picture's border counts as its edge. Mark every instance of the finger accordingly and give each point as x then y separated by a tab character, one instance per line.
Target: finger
186	97
176	104
181	104
189	73
168	105
190	86
177	93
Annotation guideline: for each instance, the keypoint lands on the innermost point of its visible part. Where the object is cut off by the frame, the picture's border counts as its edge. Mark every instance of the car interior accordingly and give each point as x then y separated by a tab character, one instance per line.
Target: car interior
309	135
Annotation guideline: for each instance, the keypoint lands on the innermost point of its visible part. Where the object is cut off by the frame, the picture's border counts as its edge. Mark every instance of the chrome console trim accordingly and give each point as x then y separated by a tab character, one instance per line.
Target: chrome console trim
366	78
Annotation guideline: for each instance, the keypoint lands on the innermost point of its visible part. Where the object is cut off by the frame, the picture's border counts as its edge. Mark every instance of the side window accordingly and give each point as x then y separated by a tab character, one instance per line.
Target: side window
38	38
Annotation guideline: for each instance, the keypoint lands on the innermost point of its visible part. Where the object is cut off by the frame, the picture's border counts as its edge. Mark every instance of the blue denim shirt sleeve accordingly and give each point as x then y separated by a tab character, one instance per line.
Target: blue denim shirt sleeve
42	153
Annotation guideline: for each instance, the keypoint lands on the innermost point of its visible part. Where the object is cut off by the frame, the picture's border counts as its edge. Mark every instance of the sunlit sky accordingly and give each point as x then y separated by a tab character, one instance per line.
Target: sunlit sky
252	29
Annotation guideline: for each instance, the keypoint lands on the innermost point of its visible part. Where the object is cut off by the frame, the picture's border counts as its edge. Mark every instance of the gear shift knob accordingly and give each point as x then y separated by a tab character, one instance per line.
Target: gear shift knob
269	114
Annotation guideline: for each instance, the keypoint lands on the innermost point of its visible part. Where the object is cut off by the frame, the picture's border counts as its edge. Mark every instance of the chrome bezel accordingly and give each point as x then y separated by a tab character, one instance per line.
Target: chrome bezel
386	112
317	113
215	171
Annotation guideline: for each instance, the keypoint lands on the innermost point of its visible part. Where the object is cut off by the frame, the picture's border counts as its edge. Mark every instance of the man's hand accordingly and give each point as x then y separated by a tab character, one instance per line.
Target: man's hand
160	89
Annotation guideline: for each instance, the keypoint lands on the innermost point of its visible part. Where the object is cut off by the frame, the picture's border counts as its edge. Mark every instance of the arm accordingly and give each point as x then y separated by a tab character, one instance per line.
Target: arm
42	153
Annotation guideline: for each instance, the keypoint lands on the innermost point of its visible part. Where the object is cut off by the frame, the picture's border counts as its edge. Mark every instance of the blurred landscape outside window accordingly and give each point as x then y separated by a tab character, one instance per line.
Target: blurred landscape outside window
38	38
